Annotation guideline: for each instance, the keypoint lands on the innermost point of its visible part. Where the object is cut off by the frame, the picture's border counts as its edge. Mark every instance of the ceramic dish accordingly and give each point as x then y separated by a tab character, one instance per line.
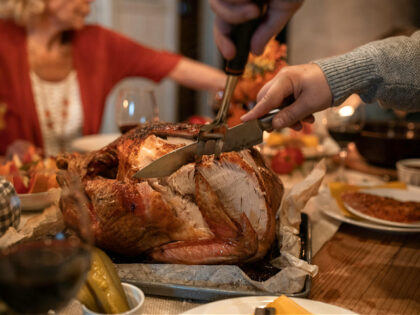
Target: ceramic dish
329	207
398	194
247	305
135	299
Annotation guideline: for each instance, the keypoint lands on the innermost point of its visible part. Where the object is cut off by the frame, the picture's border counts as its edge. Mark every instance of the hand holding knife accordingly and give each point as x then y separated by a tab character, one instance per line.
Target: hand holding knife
241	36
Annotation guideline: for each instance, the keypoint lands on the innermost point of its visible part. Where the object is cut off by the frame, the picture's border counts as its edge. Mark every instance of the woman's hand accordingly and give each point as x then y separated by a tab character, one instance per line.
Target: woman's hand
230	12
309	87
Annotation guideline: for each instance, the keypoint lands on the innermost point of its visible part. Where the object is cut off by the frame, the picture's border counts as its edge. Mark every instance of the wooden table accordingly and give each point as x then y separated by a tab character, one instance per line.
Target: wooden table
369	272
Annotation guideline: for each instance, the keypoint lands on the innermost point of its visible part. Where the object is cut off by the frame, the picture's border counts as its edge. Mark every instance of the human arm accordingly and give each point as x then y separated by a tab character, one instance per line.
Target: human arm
130	58
230	12
387	70
197	75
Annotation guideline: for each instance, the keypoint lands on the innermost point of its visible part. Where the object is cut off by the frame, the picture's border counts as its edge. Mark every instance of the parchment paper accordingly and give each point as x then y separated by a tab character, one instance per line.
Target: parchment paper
290	279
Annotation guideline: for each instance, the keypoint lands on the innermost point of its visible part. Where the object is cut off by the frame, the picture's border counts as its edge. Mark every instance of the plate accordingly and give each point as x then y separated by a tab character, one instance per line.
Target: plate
38	201
330	208
398	194
247	305
93	142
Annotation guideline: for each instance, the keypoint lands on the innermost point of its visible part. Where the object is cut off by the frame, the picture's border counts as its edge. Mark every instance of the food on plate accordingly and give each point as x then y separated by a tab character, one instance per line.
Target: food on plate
30	177
285	306
286	160
385	208
102	292
209	212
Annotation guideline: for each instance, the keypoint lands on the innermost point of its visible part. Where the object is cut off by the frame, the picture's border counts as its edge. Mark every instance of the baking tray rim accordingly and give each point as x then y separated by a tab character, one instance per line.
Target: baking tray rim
201	293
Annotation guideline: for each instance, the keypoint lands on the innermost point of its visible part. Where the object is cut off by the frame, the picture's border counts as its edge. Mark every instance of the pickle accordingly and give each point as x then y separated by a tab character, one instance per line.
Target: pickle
86	297
103	286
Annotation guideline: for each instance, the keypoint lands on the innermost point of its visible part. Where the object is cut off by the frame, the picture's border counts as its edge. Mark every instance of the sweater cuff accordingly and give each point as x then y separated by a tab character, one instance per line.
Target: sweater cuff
350	73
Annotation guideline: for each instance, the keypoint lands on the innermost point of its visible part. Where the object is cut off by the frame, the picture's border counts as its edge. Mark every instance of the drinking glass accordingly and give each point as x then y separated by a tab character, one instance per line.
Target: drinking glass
344	124
47	271
135	106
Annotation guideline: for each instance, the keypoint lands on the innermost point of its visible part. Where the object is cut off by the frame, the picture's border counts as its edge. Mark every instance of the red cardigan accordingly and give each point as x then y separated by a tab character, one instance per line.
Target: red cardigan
101	59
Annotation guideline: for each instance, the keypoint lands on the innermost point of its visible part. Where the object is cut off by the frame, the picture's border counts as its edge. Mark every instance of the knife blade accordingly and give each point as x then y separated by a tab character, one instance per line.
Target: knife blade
237	138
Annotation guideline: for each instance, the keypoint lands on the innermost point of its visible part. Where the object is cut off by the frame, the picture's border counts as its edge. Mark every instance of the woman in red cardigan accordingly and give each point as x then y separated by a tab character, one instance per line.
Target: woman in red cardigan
56	72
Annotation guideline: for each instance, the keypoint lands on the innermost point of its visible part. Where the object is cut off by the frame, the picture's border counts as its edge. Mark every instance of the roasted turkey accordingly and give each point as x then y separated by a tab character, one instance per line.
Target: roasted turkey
216	211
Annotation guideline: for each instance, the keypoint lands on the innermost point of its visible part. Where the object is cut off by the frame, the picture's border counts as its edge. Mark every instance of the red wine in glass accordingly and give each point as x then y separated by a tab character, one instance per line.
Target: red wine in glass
38	276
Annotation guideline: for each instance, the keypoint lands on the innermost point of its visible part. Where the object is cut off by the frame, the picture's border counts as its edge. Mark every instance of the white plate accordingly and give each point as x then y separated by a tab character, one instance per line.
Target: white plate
398	194
247	305
93	142
329	207
38	201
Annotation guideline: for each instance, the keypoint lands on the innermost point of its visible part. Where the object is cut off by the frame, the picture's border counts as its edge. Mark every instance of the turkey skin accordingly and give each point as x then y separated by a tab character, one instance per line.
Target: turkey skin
216	211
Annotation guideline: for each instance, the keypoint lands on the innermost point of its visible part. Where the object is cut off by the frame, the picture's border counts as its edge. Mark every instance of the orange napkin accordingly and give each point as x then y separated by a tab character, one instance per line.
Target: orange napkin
336	188
286	306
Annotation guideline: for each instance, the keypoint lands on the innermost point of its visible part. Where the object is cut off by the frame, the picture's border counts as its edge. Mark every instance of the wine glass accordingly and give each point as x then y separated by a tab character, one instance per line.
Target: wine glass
135	106
344	124
46	271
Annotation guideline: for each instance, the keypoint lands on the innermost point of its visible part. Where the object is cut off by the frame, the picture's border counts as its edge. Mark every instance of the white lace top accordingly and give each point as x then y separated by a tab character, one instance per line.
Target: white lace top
59	130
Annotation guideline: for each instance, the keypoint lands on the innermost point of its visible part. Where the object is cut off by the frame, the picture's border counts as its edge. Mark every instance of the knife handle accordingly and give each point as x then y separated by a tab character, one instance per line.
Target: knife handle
241	36
266	121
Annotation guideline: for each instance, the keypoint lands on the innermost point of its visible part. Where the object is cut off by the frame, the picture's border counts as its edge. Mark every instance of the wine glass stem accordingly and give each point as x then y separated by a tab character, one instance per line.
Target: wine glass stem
341	176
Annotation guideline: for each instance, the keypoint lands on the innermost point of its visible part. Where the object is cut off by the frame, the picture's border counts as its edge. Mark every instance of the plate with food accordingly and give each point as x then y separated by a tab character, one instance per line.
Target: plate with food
34	179
282	305
328	205
394	207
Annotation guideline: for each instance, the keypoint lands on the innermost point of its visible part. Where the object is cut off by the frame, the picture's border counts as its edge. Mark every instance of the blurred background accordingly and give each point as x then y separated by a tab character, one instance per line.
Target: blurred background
321	28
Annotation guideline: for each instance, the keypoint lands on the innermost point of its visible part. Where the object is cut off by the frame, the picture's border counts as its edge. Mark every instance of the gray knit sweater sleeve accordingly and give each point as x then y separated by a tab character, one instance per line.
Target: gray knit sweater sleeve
386	70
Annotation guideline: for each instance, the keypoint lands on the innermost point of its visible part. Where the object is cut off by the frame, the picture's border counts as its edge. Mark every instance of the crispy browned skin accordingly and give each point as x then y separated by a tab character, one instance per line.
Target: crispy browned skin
212	212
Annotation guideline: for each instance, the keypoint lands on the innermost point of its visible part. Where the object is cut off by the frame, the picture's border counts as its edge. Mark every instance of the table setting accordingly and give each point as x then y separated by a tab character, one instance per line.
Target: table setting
220	217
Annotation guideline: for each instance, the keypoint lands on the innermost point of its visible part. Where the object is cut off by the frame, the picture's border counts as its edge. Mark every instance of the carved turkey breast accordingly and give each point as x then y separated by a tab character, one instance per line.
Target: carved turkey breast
217	211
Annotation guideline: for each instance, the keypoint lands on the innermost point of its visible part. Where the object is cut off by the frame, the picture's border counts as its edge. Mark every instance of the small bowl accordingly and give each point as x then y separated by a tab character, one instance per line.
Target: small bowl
409	171
135	299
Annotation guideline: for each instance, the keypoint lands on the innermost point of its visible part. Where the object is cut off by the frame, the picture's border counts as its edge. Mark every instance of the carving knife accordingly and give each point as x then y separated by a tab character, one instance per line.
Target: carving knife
237	138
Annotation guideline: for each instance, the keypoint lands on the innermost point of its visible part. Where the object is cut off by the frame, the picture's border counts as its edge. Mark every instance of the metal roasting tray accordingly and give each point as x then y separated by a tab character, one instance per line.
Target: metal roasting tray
202	293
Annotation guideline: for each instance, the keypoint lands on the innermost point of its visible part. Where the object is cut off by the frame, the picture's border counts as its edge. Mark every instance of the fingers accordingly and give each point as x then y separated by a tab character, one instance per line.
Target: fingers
309	119
223	42
265	32
270	96
235	11
293	114
298	126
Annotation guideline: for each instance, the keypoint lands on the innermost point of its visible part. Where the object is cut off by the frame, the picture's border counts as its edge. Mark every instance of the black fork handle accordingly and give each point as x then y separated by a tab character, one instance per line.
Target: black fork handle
241	35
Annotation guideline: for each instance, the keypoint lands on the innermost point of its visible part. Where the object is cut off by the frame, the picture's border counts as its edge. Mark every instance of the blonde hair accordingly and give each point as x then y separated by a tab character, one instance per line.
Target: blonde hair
20	11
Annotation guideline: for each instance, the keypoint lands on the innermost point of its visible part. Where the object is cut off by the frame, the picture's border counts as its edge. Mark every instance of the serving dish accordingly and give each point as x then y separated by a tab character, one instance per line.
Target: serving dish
207	291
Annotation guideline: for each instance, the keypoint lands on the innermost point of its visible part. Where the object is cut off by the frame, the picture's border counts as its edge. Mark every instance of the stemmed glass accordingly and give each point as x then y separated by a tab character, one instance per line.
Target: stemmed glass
344	124
47	271
135	106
